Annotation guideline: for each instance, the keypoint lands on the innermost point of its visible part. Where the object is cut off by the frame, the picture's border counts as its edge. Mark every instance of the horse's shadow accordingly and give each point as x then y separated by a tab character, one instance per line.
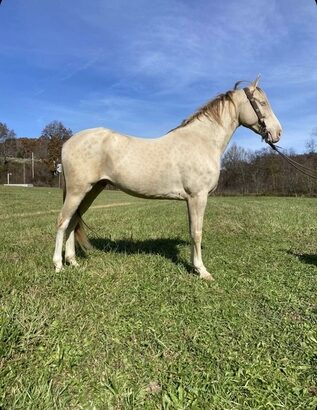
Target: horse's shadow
309	258
169	248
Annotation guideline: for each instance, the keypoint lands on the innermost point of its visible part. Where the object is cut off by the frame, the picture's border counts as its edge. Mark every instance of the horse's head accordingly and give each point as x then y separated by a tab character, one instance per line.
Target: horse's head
256	113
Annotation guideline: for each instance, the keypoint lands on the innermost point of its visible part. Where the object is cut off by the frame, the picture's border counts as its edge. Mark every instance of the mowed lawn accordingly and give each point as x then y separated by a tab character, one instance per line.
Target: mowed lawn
134	328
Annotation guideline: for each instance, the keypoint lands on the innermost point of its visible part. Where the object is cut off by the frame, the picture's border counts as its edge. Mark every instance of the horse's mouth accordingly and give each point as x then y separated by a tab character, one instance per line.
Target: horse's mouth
268	138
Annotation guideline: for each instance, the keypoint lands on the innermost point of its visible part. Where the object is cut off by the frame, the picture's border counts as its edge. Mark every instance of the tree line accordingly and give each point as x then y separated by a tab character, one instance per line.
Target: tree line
264	172
17	154
244	172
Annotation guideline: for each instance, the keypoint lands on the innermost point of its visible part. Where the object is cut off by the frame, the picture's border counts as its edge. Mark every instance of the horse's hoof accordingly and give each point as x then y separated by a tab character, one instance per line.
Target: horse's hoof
73	263
206	276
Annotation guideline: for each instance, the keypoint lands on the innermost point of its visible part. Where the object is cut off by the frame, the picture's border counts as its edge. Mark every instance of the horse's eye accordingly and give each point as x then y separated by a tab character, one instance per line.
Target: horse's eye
263	103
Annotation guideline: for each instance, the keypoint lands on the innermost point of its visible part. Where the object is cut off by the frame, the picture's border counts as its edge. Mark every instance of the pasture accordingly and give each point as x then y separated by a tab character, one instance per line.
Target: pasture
133	328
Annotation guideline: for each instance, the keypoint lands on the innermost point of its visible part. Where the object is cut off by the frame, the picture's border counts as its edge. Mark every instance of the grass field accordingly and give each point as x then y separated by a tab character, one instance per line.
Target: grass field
133	328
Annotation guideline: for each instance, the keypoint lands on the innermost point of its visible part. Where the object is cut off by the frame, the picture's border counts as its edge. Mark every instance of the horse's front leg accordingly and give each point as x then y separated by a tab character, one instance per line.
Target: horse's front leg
196	209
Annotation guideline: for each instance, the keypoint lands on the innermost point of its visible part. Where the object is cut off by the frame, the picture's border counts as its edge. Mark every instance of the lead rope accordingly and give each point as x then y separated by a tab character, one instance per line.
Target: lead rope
301	168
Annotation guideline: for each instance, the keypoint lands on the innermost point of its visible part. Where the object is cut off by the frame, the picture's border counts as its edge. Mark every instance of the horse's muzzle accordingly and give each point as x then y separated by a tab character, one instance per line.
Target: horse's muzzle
272	137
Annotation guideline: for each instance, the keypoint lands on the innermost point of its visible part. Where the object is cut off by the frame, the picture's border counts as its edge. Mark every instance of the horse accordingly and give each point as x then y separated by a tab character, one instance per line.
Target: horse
183	164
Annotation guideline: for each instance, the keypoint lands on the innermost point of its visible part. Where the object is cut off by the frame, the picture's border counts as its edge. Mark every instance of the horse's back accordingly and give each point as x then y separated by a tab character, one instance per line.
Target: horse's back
88	140
102	151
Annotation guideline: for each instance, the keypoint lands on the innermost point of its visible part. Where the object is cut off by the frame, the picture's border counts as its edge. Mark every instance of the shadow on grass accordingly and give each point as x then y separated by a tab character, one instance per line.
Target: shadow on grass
166	247
310	259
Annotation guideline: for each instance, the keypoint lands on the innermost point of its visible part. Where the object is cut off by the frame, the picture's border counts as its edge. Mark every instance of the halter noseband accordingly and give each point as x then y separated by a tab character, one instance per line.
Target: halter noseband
257	111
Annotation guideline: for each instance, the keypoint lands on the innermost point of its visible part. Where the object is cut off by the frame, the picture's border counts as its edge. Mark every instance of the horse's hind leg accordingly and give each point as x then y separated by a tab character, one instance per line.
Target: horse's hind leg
67	218
70	254
196	209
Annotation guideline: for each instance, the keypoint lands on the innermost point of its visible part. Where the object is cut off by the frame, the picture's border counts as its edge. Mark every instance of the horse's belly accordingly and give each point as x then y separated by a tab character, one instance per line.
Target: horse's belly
146	186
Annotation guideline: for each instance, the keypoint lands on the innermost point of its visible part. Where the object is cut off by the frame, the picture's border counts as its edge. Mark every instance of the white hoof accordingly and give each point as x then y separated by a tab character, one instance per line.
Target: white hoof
58	268
72	262
203	273
206	276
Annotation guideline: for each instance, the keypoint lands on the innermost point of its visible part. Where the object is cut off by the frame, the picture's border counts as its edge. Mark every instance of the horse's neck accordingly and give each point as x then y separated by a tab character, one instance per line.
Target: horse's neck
217	135
230	122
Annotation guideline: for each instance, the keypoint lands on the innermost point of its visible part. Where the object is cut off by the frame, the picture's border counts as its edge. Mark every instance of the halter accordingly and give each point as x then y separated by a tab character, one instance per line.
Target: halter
256	108
264	132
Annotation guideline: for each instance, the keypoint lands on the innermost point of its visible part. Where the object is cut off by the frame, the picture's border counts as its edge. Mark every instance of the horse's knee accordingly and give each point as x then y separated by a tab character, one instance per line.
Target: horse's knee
196	235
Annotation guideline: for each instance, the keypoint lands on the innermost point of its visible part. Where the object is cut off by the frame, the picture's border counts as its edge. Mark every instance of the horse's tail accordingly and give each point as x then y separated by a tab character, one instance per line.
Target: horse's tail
80	234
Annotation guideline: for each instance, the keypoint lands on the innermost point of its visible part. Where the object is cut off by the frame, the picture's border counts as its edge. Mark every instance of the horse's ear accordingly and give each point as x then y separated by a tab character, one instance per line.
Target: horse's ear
256	81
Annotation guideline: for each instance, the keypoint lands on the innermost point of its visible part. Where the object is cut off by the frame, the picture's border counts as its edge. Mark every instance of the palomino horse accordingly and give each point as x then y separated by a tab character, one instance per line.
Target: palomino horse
183	164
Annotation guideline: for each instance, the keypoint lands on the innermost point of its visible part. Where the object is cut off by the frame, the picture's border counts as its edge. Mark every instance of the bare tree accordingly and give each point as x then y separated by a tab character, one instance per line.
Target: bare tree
5	135
56	134
311	144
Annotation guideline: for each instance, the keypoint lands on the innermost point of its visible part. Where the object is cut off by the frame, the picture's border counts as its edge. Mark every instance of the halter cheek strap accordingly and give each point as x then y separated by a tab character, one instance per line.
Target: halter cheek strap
254	104
257	110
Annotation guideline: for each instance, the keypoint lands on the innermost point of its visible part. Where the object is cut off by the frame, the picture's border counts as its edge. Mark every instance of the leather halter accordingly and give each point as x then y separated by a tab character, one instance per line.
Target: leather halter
263	130
257	111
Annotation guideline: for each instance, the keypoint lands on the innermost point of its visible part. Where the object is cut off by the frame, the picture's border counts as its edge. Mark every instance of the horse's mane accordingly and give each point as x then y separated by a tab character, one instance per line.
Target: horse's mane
212	109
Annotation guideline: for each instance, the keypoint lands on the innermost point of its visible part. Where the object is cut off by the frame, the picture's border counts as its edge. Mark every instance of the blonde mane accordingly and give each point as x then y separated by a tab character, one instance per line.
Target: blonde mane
212	109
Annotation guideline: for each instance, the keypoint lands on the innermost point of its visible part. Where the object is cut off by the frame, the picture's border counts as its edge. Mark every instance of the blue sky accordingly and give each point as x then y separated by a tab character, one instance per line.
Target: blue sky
141	67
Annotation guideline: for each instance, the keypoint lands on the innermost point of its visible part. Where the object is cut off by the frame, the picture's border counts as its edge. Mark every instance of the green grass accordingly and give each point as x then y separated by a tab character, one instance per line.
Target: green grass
133	328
